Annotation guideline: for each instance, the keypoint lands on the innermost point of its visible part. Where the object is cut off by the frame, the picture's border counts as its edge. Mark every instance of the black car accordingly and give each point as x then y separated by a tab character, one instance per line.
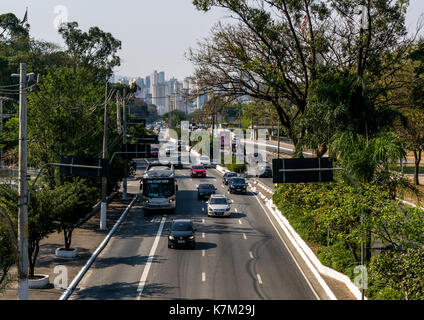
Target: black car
204	190
177	162
264	172
181	234
227	176
237	185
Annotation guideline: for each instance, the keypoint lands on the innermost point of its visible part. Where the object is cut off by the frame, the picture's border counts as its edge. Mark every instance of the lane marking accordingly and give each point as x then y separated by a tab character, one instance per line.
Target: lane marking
203	277
203	220
251	255
203	234
244	236
235	209
291	254
239	221
259	278
203	253
143	279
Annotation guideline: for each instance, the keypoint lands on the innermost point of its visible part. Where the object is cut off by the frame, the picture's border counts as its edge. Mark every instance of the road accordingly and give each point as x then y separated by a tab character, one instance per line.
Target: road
236	258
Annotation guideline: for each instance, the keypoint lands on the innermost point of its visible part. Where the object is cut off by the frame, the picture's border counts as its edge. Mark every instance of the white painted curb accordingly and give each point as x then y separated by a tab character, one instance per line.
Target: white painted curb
300	245
82	272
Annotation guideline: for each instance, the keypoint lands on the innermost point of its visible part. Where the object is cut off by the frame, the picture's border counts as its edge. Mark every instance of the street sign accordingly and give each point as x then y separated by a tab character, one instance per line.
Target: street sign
85	172
137	121
136	150
279	176
149	139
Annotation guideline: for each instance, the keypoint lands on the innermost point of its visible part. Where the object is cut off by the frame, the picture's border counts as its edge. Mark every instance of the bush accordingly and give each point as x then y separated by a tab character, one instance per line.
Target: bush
337	257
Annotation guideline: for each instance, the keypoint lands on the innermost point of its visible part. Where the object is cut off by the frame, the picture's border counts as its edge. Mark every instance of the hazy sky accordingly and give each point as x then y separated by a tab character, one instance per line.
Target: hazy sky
155	34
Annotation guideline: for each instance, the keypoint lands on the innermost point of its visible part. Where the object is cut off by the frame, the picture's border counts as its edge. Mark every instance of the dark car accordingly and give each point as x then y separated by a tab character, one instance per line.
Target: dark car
227	176
181	234
177	162
205	190
264	171
237	185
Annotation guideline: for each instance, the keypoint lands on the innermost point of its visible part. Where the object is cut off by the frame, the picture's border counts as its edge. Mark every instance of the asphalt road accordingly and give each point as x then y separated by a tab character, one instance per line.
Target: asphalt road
236	258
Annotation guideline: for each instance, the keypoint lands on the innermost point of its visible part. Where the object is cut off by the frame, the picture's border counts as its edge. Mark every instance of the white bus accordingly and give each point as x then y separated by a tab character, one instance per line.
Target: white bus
159	187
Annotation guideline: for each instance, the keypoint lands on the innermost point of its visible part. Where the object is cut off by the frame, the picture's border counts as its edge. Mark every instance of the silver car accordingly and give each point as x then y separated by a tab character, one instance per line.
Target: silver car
219	206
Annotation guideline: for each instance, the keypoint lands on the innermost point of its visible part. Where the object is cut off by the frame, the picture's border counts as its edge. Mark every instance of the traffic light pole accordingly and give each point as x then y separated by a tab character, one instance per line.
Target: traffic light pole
103	207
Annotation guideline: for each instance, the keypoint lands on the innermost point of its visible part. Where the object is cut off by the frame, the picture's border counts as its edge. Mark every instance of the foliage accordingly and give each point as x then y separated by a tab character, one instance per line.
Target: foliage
94	49
330	216
74	200
400	272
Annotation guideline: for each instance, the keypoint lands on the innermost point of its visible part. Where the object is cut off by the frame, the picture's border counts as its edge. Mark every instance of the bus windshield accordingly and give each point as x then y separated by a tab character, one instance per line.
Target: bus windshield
154	189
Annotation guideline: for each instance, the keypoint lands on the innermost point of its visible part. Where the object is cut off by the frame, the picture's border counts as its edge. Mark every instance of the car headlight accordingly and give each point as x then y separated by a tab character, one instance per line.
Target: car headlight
146	201
171	200
171	238
191	237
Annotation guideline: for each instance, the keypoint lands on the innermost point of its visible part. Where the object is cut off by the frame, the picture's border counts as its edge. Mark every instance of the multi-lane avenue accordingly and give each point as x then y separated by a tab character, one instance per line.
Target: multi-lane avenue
243	256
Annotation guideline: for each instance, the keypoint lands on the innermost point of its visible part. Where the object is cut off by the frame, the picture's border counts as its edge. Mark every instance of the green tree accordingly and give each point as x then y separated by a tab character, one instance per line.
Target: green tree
74	200
401	272
276	49
93	49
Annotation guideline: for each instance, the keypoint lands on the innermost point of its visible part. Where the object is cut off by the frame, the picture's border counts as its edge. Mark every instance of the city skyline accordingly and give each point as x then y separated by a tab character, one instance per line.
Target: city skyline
154	34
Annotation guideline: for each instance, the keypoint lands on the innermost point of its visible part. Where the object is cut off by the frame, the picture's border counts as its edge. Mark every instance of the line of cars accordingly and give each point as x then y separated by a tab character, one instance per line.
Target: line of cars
182	232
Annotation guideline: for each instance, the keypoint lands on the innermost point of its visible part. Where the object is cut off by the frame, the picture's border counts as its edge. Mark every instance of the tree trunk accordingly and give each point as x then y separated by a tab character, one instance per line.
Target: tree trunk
68	238
417	158
33	249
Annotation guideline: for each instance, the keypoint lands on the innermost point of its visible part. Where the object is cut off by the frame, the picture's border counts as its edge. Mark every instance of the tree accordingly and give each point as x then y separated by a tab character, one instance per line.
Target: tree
74	200
276	50
402	272
93	49
408	97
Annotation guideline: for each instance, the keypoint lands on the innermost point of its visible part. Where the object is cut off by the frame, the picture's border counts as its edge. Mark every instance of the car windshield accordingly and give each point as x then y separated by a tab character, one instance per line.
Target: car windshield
204	158
218	201
232	174
198	167
237	180
158	190
154	149
206	186
181	226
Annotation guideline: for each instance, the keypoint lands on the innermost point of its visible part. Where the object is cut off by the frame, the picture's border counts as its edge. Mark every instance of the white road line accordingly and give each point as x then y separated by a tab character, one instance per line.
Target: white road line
259	278
251	255
203	234
143	279
244	236
203	253
203	220
239	221
235	209
203	277
289	251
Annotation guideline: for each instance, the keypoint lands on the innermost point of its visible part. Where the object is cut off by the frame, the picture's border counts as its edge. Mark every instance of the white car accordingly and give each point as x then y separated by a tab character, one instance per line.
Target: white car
205	160
219	206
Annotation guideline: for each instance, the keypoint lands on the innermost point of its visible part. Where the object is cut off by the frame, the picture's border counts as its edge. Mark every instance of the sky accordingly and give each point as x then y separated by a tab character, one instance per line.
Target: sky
155	34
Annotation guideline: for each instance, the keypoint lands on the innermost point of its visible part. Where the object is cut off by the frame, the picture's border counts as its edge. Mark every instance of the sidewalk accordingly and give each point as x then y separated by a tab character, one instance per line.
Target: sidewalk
86	238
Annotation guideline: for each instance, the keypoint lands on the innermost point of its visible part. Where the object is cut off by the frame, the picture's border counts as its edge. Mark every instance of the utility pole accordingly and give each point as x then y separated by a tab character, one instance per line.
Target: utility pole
278	133
124	193
23	189
103	209
118	114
